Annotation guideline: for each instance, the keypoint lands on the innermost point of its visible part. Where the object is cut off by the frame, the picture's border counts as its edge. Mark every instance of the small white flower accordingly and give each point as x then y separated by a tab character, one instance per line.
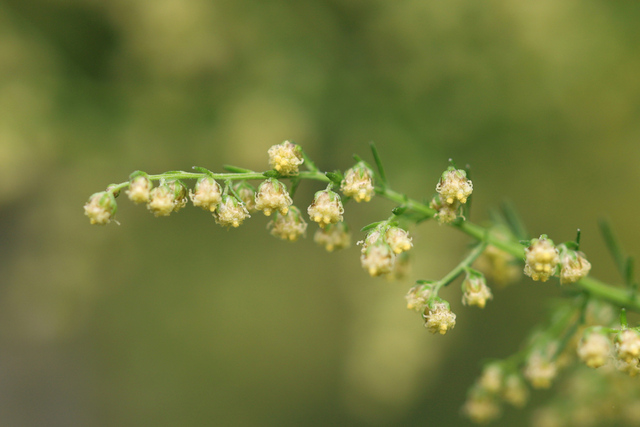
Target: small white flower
161	201
628	345
333	236
574	265
417	297
476	291
378	259
398	239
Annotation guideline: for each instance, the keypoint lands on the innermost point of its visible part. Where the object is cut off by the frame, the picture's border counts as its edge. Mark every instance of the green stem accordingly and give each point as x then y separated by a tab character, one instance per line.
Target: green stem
460	268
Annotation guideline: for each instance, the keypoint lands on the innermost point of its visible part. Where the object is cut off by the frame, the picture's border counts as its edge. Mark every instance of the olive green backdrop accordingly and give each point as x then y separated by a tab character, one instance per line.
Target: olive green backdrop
178	322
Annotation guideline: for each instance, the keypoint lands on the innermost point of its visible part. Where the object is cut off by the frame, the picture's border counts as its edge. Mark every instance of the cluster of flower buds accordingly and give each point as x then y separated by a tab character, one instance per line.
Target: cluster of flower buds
380	248
542	258
286	158
453	191
289	226
358	183
496	384
475	289
333	237
231	212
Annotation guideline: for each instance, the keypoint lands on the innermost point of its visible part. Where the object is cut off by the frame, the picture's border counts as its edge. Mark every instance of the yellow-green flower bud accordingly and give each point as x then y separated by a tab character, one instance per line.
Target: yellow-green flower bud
594	349
439	318
540	370
445	213
476	291
139	189
326	208
573	265
272	196
628	345
333	236
289	226
247	194
492	378
515	391
207	194
417	297
231	212
398	239
358	183
454	185
286	158
541	259
377	258
101	208
161	201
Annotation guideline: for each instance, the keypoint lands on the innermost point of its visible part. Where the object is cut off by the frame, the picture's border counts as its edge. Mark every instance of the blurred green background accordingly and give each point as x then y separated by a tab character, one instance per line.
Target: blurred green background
176	321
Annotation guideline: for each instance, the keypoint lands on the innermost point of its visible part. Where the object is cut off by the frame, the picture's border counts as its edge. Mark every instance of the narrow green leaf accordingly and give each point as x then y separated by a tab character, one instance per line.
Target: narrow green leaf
371	226
294	186
376	157
202	170
629	272
514	221
399	210
335	177
236	169
613	245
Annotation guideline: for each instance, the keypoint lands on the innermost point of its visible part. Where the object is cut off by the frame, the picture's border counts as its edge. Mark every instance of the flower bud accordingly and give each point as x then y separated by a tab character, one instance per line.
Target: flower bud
540	370
358	183
161	201
326	208
333	236
574	265
398	239
231	212
207	194
377	258
476	291
272	196
139	188
101	207
631	367
288	227
285	158
439	318
594	349
492	378
446	213
481	408
247	194
515	391
628	345
454	185
541	259
179	194
499	266
417	297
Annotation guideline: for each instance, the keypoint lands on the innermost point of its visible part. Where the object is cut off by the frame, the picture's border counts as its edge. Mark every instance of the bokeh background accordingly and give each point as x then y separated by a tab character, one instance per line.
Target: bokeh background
176	321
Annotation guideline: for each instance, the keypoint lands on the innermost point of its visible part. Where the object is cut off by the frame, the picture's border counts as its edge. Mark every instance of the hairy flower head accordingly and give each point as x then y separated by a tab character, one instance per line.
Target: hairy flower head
628	345
417	297
333	236
573	265
358	183
164	199
101	208
289	226
286	158
541	259
439	318
326	208
445	213
594	349
398	239
454	185
139	188
378	258
272	196
476	291
540	370
247	195
231	212
207	194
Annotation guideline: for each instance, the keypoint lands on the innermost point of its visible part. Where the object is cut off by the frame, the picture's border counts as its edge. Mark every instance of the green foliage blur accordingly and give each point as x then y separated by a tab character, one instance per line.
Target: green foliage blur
178	322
